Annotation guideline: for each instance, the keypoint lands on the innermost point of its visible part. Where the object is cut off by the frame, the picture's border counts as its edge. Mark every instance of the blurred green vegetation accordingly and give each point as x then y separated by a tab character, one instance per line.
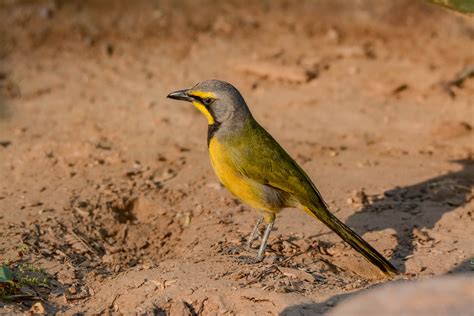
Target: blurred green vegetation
464	6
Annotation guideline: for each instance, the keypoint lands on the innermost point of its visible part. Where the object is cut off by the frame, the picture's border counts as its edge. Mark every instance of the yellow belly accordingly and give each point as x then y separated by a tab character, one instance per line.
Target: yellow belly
245	189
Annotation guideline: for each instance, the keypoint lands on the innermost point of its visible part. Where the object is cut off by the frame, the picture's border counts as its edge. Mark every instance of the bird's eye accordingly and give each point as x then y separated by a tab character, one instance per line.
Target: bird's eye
207	101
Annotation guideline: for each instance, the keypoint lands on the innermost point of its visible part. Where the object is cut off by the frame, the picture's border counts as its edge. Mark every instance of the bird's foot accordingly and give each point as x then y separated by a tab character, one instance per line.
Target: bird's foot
248	246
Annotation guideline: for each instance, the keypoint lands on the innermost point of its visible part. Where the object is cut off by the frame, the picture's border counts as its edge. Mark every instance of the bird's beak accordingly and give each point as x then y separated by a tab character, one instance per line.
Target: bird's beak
180	95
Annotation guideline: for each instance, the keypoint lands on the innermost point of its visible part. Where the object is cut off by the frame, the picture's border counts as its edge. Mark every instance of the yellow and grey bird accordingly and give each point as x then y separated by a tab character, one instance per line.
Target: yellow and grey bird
251	164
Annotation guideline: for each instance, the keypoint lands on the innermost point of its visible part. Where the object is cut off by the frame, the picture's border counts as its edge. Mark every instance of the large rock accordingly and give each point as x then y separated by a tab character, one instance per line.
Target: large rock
447	295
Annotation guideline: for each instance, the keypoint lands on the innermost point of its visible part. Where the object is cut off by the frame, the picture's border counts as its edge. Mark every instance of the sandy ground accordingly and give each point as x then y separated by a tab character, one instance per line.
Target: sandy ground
106	185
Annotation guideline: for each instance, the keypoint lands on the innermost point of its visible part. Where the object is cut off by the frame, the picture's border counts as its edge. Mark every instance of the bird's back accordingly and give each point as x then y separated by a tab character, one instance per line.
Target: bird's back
251	155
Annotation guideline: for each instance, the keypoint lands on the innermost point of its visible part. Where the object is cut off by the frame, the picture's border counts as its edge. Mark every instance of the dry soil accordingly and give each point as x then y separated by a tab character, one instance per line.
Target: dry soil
106	185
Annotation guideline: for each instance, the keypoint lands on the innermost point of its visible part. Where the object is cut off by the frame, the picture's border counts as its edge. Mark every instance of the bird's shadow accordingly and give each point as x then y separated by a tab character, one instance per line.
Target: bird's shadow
420	205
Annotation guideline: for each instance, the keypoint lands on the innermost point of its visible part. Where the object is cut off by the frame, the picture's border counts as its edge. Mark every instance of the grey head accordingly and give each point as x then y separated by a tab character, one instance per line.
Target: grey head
219	101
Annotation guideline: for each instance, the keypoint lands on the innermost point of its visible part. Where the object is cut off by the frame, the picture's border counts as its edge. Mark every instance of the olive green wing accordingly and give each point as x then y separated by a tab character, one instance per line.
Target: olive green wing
266	162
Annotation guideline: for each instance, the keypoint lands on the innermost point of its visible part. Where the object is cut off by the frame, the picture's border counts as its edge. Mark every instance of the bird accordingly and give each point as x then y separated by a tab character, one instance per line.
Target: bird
253	166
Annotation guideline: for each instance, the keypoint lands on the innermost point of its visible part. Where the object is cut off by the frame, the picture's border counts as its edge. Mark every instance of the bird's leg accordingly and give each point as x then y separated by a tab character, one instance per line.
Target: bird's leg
265	240
254	233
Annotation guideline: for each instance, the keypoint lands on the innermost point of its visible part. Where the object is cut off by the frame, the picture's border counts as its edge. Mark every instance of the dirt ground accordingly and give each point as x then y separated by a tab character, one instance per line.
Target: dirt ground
106	187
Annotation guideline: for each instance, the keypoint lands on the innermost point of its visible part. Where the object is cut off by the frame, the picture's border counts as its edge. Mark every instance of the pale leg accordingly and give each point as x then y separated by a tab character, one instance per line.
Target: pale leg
254	233
264	241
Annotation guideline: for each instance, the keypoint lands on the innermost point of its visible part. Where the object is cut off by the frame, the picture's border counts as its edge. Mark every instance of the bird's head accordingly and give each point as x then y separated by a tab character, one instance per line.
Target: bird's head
218	100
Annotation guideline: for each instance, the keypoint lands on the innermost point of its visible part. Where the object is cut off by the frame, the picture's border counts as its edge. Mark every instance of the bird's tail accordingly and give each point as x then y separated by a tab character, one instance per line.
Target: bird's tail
352	238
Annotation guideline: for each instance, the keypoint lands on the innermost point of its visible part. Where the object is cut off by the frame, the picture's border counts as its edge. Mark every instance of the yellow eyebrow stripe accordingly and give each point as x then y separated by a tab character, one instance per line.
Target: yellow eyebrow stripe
201	94
204	111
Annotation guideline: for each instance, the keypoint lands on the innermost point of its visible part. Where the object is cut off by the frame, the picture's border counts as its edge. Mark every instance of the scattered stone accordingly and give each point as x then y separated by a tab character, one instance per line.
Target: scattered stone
333	35
104	145
5	143
109	49
297	274
400	88
38	308
331	302
358	197
450	129
215	185
66	276
350	51
421	235
180	308
166	175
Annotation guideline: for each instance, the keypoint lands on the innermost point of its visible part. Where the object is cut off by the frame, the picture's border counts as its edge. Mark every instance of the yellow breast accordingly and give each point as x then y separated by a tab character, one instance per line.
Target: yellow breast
245	189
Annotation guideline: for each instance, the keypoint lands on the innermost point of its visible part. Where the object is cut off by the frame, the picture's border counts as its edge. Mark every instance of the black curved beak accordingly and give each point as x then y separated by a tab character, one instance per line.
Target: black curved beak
180	95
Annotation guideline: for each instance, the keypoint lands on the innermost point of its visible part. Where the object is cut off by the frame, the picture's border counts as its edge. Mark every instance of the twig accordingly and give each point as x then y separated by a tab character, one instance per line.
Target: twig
84	243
